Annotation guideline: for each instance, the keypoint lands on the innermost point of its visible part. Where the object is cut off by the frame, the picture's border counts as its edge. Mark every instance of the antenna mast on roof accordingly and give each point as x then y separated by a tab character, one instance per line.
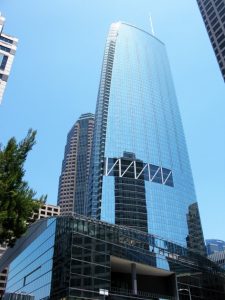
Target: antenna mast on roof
151	24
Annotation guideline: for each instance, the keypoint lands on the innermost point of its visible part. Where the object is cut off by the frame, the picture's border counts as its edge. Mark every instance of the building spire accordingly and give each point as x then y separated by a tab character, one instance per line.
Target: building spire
151	25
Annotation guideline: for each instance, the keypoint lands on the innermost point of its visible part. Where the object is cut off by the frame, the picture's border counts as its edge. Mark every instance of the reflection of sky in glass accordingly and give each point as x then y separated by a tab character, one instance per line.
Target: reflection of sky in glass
33	267
143	118
108	206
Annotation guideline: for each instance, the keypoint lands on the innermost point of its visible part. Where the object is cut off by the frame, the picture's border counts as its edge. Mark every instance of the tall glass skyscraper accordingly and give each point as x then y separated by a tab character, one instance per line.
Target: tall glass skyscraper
140	180
73	181
141	175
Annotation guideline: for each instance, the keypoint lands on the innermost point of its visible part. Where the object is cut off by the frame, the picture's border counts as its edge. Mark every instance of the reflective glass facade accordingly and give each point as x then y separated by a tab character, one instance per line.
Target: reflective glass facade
17	296
214	245
89	255
137	113
31	270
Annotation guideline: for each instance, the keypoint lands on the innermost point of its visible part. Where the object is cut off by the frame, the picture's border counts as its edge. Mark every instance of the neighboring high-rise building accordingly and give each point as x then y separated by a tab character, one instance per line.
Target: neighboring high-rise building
218	258
213	14
216	251
73	182
141	175
213	246
8	45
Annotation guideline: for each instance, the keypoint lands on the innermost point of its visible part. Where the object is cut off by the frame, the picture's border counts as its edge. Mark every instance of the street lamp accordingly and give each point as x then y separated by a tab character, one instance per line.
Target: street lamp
187	290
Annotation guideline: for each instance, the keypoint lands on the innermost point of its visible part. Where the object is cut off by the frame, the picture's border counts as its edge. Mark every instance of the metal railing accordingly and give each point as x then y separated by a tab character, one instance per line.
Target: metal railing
140	294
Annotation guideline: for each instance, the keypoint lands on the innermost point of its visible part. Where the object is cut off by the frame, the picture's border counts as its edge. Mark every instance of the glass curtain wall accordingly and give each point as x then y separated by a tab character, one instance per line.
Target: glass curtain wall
137	112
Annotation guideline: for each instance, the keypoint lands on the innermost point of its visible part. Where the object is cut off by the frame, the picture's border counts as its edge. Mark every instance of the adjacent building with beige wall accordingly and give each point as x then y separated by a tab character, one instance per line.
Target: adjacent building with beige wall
8	46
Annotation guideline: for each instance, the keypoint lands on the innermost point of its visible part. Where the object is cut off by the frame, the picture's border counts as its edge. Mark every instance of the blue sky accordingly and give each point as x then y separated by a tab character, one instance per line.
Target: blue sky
56	73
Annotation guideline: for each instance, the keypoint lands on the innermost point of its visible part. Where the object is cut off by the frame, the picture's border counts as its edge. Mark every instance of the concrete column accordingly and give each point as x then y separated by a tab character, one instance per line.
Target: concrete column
176	292
134	278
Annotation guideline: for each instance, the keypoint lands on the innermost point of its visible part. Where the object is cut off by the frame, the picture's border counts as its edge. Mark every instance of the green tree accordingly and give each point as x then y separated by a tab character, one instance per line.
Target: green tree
17	199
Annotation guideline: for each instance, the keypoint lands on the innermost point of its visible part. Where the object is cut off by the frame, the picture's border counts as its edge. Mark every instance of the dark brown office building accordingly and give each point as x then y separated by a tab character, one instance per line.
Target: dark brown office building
73	180
213	13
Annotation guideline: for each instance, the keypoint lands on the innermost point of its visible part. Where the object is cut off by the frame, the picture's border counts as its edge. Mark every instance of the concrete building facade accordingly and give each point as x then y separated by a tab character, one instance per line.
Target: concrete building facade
8	46
73	181
46	211
3	273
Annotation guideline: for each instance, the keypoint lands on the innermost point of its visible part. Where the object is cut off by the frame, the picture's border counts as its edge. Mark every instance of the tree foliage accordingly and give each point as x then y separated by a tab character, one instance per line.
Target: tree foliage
17	199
